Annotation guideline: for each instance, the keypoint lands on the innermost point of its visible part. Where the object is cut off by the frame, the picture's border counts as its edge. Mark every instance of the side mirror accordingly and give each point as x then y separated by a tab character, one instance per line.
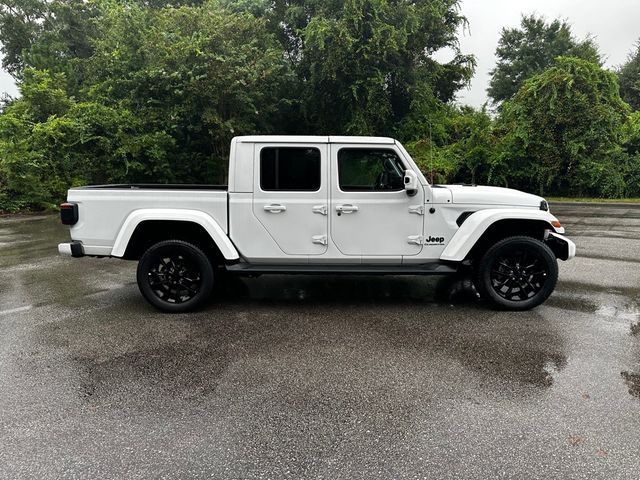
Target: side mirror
410	182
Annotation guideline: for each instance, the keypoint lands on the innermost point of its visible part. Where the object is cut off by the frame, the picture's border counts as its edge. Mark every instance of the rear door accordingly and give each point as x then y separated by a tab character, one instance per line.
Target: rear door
290	196
371	213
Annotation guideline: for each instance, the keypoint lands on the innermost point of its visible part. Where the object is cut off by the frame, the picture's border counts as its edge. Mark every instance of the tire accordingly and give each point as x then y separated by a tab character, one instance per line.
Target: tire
517	273
175	276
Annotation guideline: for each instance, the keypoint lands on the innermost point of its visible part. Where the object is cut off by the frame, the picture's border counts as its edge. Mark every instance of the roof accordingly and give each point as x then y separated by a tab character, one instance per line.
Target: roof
312	139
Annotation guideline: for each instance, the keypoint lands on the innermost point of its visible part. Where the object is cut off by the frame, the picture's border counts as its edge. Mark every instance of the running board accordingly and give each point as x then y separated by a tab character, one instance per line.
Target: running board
435	268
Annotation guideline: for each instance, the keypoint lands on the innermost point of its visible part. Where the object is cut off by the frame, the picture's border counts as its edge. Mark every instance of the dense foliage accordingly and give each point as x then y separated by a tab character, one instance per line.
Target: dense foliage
366	65
531	49
629	75
563	131
153	90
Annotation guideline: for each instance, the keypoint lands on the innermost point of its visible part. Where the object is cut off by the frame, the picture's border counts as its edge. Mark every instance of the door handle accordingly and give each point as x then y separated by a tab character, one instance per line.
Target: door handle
346	209
275	208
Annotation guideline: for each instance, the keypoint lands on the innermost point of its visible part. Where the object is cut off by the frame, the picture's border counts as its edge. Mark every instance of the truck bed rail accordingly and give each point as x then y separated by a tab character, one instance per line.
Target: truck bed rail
153	186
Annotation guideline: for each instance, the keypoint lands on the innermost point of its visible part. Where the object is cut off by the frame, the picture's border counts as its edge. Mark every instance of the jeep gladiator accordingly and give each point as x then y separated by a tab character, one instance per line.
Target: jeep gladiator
319	205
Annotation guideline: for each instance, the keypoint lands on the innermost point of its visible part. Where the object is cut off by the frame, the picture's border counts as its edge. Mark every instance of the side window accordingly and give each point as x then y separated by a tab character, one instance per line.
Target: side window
290	168
366	169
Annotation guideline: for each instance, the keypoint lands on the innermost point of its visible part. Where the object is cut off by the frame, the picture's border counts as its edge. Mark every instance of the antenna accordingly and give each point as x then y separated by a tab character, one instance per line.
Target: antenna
431	150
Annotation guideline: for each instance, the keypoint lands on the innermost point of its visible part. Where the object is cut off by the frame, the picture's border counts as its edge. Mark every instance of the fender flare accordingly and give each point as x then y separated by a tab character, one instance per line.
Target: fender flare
477	223
203	219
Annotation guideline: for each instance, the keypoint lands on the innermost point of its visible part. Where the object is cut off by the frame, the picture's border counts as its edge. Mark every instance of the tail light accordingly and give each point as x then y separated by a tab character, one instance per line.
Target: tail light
69	213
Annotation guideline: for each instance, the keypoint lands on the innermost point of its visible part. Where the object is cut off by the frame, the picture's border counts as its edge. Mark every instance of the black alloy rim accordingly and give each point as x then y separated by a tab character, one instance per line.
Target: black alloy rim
174	278
518	274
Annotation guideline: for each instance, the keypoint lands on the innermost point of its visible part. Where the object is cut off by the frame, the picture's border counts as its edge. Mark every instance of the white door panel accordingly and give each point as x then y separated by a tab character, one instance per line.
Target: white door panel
296	220
292	223
375	222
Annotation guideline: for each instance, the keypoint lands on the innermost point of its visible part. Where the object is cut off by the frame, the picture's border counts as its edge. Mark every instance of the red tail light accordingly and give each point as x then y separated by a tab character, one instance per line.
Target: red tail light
69	213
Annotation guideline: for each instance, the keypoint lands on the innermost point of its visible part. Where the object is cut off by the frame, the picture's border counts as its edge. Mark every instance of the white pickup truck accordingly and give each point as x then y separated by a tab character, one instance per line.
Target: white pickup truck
318	204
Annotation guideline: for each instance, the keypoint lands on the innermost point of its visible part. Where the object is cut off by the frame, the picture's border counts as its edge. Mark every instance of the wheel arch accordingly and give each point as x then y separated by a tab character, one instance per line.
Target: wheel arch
145	227
485	227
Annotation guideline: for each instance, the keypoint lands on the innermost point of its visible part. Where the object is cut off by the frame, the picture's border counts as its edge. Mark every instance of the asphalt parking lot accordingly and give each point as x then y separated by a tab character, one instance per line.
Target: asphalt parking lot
314	377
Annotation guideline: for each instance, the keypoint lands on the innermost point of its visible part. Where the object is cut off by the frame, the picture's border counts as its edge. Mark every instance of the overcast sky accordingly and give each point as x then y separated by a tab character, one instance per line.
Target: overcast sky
615	24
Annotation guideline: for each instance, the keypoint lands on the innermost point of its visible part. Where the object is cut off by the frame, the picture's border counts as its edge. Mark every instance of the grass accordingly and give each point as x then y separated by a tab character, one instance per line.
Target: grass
593	200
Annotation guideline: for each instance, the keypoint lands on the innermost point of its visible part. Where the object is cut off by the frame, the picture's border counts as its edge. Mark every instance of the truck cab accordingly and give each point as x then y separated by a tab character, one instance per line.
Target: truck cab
320	204
319	200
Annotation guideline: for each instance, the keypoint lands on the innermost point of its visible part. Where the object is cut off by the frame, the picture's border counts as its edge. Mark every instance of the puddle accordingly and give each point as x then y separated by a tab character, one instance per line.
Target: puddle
620	304
623	313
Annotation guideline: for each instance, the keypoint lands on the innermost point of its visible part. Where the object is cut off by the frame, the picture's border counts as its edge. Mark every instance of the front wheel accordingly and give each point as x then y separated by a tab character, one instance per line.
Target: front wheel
175	276
517	273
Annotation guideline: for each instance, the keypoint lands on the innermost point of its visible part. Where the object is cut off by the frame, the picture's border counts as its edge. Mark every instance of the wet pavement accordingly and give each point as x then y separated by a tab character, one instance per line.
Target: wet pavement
315	377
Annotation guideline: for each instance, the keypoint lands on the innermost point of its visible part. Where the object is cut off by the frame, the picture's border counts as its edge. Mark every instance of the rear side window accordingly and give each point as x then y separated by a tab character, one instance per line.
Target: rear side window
290	168
366	169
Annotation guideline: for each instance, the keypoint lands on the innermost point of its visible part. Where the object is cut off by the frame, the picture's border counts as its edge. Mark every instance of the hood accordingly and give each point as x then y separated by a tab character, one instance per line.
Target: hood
480	195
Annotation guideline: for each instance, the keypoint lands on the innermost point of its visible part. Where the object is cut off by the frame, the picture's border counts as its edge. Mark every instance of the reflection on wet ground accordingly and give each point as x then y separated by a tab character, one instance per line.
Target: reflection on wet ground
633	382
614	303
308	376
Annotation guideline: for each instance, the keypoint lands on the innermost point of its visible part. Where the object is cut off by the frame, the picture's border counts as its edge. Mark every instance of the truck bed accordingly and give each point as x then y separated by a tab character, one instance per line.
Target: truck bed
103	209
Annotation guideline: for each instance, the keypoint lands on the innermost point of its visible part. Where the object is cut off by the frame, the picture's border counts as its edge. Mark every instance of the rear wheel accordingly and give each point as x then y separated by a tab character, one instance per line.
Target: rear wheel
517	273
175	276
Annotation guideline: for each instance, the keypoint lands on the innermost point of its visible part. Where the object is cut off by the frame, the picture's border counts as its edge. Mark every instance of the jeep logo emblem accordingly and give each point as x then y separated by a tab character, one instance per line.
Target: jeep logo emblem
433	240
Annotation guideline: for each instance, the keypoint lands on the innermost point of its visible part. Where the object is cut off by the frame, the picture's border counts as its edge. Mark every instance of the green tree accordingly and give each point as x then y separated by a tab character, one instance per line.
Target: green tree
563	132
198	74
472	143
153	90
367	66
156	98
629	77
462	149
20	23
34	135
530	50
631	147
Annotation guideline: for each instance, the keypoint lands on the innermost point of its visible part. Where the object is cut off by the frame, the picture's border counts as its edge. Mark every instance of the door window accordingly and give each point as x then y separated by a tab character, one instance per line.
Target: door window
293	169
366	169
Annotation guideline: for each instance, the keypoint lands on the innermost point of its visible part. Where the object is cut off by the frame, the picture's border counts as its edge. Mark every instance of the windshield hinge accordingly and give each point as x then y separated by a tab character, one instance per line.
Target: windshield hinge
415	239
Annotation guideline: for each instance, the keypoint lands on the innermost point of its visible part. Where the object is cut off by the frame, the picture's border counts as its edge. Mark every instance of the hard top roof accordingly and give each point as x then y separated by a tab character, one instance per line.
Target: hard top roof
312	139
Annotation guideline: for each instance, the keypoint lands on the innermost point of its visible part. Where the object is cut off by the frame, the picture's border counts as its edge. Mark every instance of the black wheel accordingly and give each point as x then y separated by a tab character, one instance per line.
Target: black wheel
175	276
517	273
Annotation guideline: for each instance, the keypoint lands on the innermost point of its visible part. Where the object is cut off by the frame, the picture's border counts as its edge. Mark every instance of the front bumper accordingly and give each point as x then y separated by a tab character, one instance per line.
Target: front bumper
563	248
73	249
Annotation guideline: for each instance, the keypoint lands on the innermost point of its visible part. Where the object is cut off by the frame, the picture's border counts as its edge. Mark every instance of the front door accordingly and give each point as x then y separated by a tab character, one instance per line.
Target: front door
290	196
371	213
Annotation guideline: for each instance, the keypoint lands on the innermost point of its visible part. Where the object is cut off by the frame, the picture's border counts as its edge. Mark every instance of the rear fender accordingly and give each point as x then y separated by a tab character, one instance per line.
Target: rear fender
206	221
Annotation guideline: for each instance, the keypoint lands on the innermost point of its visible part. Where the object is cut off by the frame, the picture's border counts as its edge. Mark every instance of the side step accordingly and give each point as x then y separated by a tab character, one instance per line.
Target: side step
435	268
